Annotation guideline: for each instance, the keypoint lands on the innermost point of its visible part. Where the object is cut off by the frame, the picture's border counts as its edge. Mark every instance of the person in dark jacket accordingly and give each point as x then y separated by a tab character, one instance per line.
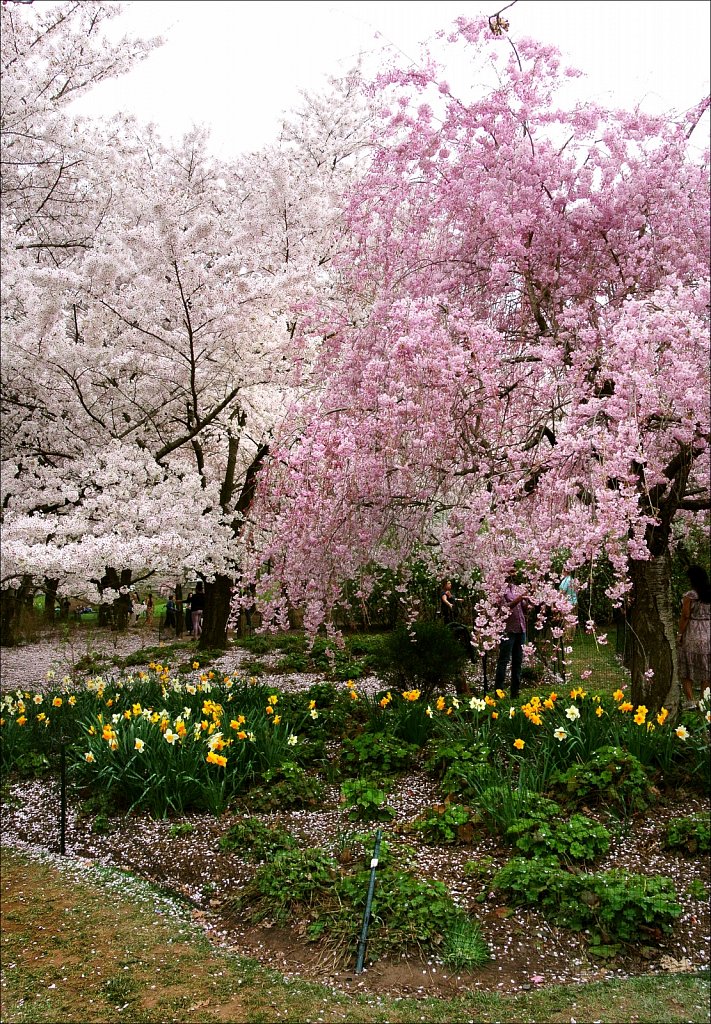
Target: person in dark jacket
197	607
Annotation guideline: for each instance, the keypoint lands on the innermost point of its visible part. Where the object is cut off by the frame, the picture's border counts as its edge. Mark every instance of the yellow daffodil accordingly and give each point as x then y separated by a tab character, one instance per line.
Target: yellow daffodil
519	744
662	716
618	695
217	759
626	707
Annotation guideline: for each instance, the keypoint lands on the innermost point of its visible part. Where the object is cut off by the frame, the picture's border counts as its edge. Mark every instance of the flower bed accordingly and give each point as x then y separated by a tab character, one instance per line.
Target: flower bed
463	780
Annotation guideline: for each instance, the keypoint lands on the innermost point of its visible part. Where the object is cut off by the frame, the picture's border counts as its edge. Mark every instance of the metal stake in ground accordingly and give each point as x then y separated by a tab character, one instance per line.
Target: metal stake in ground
62	797
368	903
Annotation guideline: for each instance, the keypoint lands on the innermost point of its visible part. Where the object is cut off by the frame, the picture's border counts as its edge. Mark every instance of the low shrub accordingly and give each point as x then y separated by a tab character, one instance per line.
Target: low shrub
424	656
293	881
288	787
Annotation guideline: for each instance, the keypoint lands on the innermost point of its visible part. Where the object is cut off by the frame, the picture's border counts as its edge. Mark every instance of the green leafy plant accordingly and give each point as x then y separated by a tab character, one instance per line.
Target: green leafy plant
611	777
613	905
407	913
366	801
697	890
376	753
291	883
578	838
288	787
501	804
255	840
446	824
690	834
180	830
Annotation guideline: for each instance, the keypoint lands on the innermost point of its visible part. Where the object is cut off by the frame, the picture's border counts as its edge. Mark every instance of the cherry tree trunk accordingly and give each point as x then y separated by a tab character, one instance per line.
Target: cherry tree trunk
216	614
8	617
116	614
50	598
653	636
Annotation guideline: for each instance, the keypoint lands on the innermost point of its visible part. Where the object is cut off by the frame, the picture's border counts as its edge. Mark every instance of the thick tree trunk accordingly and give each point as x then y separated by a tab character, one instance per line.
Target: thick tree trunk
116	614
216	614
15	605
8	617
653	636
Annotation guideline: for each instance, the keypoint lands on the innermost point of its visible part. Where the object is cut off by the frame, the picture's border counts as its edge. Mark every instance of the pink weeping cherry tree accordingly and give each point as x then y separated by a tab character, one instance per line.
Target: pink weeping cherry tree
516	361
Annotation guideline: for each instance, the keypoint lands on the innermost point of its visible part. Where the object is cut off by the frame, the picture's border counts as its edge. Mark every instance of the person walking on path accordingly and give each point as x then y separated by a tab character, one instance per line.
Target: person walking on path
516	604
694	636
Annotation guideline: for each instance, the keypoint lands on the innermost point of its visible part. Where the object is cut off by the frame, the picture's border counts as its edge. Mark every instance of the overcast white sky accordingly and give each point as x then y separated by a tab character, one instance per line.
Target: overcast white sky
236	65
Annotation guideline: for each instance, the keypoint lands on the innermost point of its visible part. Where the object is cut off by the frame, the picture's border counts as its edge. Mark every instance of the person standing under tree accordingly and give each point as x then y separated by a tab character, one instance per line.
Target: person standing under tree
694	635
515	602
567	588
447	603
197	607
170	612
